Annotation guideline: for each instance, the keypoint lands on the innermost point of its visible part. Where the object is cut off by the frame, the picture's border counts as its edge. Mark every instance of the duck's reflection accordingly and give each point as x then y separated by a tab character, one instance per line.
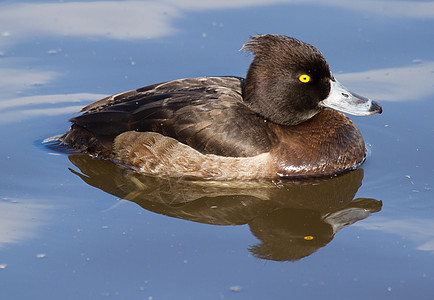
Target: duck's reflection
291	219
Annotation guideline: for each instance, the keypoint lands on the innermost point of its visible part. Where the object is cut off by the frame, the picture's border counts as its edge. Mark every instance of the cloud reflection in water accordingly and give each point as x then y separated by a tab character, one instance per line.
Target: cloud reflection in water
408	83
20	219
16	80
19	109
110	19
151	19
420	231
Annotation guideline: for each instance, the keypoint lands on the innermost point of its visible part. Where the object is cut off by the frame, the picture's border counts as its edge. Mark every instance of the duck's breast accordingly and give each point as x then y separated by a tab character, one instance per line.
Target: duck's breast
328	143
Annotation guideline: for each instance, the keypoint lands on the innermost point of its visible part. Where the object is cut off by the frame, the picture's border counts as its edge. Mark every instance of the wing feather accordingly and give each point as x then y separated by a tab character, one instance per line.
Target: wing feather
205	113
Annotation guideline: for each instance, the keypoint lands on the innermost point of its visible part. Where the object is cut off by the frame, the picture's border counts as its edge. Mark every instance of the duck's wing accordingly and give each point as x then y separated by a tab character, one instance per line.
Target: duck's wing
205	113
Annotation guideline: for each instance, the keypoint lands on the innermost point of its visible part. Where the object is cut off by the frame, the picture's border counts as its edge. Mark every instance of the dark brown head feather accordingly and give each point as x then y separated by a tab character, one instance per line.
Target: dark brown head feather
272	88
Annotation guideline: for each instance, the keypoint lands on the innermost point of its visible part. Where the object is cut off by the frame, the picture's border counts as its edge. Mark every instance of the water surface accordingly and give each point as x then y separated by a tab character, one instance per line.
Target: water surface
76	228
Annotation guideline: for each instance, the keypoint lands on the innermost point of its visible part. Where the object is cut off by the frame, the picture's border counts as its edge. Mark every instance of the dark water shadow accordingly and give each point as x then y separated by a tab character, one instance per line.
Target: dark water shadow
291	219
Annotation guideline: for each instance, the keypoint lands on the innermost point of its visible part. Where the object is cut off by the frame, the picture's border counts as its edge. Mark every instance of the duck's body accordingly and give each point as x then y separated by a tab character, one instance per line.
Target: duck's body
214	127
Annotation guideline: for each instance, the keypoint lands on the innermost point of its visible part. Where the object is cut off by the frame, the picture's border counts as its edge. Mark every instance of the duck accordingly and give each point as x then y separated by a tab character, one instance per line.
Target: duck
285	119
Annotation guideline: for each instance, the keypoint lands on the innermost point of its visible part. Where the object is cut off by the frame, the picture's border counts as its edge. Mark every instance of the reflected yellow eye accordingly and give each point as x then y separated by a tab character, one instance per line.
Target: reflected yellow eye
304	78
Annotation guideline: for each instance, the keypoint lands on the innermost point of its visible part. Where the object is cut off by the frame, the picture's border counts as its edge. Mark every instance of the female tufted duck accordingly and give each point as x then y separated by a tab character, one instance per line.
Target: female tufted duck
271	124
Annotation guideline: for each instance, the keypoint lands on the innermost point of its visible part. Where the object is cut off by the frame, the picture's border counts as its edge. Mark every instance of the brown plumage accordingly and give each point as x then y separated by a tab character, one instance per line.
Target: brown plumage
269	125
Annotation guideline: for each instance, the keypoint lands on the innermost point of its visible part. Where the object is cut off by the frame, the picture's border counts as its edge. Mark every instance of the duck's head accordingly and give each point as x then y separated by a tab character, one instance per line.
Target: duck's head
290	81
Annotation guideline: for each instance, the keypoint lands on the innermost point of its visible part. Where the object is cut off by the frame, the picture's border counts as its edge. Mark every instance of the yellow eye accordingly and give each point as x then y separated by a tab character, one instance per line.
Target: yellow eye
308	238
304	78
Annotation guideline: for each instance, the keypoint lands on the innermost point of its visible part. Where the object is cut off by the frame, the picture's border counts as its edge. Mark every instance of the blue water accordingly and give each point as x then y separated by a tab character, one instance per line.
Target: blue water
75	228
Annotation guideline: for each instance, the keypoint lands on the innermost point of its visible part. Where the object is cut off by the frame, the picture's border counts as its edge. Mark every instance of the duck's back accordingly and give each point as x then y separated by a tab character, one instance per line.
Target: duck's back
204	113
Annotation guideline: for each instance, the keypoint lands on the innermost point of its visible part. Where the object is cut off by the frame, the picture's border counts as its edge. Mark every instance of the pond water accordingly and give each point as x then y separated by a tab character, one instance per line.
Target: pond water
72	227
